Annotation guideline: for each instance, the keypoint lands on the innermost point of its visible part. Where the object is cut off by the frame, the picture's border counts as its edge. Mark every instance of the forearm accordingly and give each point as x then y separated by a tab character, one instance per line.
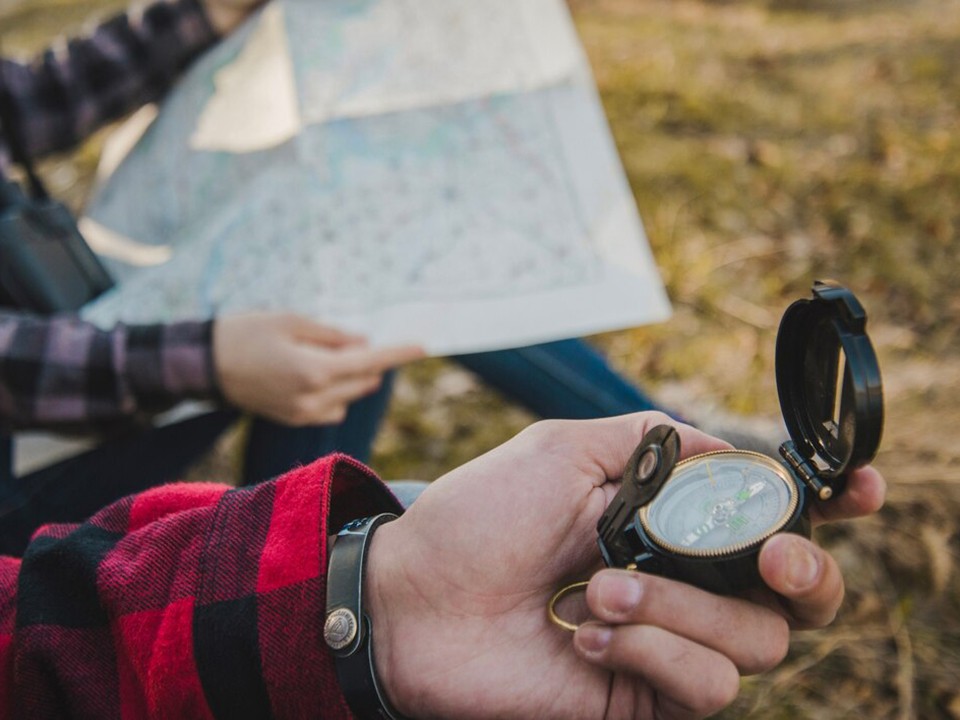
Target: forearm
75	87
190	600
61	372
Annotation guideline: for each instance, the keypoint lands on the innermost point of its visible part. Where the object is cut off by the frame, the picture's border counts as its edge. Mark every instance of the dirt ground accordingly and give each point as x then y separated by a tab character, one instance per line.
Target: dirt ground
768	144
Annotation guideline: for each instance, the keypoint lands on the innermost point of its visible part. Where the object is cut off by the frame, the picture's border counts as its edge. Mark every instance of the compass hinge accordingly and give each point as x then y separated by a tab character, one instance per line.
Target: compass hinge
805	471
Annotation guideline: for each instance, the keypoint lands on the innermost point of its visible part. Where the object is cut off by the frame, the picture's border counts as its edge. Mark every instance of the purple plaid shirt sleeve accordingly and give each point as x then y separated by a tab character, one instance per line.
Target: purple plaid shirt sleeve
65	373
61	373
78	85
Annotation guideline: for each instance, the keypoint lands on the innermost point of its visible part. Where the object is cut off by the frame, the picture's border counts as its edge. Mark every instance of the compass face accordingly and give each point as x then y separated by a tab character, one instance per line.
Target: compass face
721	503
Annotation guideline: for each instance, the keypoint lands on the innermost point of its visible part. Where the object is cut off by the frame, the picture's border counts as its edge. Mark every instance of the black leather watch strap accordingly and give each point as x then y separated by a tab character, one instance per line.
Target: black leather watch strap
347	630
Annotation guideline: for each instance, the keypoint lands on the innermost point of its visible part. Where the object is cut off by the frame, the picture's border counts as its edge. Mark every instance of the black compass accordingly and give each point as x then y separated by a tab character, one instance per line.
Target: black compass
702	520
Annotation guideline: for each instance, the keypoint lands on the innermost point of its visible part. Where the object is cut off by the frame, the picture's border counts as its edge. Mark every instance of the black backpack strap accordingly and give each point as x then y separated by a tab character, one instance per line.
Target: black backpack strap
13	135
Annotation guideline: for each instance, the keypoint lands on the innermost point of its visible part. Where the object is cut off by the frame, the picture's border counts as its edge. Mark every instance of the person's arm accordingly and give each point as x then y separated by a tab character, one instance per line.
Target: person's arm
64	373
189	600
457	590
79	84
196	601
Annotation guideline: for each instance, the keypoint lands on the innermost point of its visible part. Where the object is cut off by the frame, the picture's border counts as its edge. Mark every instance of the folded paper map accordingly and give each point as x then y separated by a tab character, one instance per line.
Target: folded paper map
430	171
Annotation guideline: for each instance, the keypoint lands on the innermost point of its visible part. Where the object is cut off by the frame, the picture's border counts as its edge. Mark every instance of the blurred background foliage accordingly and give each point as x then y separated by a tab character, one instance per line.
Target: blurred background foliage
768	143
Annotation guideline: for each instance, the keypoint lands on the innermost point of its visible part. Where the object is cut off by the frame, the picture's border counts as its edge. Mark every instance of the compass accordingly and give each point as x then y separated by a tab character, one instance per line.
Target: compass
703	520
745	499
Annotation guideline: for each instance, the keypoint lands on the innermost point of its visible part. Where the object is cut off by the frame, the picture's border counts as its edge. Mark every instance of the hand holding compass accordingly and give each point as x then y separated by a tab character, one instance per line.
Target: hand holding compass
703	520
458	586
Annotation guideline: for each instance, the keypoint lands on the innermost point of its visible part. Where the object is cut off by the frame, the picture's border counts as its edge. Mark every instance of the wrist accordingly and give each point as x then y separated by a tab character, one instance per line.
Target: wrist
220	351
383	598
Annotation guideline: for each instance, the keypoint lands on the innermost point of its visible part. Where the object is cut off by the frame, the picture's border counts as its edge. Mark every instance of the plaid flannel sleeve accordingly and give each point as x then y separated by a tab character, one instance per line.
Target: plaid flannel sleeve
62	372
187	601
78	85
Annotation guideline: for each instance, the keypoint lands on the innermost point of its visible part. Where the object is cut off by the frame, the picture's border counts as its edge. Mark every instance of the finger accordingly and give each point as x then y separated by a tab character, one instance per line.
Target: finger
693	680
315	333
805	576
330	405
365	361
345	391
865	492
755	638
607	443
694	441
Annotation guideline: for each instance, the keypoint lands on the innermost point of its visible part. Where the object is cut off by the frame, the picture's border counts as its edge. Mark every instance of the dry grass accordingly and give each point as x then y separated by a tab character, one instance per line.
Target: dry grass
768	144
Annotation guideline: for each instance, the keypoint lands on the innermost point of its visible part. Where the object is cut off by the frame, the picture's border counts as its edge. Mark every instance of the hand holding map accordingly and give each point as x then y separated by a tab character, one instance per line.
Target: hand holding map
436	172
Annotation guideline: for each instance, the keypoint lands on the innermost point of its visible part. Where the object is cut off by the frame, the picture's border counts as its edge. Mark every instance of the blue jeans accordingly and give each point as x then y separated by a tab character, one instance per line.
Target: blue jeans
564	379
74	489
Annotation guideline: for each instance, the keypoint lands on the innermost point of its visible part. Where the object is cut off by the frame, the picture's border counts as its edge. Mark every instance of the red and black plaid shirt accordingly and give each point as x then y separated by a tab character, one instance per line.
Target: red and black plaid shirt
63	372
187	601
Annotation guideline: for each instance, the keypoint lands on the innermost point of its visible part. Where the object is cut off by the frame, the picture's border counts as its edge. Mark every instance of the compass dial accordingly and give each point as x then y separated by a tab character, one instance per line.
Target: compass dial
720	503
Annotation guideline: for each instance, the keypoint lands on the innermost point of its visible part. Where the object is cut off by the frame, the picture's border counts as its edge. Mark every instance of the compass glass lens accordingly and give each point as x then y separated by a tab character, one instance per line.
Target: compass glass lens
720	503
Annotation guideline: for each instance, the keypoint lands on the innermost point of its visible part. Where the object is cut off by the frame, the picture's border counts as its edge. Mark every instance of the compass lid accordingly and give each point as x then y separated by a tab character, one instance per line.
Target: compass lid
828	380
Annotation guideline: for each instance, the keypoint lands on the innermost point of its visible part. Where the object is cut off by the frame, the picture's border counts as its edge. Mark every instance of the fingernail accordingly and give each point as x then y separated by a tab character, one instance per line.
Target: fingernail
620	592
802	567
594	638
